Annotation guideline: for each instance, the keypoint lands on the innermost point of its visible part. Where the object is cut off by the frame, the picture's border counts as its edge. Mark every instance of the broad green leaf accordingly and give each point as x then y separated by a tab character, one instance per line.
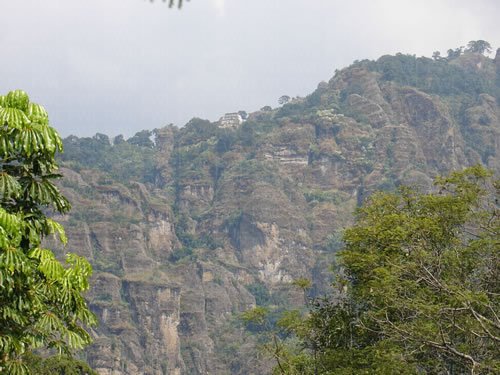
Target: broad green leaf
49	265
17	99
56	138
57	229
30	140
11	223
13	259
49	322
5	145
38	114
48	138
9	186
13	117
75	341
51	268
9	313
17	368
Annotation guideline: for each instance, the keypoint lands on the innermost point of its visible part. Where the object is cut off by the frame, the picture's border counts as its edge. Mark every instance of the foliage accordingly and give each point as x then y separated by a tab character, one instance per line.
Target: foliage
181	253
419	289
436	55
131	160
433	76
142	138
271	335
479	46
260	292
41	302
225	140
454	53
57	365
256	171
293	110
302	283
277	332
195	131
323	196
283	99
247	134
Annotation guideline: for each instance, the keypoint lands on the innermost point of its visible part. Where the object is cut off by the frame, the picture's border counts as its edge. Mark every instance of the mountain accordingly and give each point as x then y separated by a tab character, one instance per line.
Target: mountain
188	227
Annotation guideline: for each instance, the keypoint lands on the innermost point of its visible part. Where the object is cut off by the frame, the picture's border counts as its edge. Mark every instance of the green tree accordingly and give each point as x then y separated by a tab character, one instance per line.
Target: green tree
418	291
454	53
57	365
277	331
273	333
119	139
41	302
479	46
283	99
436	55
142	138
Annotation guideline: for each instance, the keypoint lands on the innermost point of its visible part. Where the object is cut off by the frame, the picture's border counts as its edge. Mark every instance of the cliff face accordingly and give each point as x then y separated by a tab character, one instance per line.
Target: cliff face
207	222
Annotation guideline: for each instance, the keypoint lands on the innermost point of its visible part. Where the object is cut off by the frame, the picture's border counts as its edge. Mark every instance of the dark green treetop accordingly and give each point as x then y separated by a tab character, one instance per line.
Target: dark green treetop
479	46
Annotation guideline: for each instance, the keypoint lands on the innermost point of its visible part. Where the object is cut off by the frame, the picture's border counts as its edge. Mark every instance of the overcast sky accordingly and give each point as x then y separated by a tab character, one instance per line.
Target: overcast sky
120	66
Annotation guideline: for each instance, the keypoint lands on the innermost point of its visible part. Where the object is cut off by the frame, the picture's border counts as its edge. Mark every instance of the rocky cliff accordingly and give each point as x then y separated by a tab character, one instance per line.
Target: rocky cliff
188	230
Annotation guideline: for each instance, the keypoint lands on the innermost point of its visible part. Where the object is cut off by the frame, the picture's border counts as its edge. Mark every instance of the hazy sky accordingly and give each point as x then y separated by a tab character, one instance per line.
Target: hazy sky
119	66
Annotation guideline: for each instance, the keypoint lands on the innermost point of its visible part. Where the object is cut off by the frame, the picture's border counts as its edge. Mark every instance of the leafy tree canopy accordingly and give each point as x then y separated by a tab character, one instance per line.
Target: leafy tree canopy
126	160
433	76
142	138
41	302
283	99
479	46
418	291
58	365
